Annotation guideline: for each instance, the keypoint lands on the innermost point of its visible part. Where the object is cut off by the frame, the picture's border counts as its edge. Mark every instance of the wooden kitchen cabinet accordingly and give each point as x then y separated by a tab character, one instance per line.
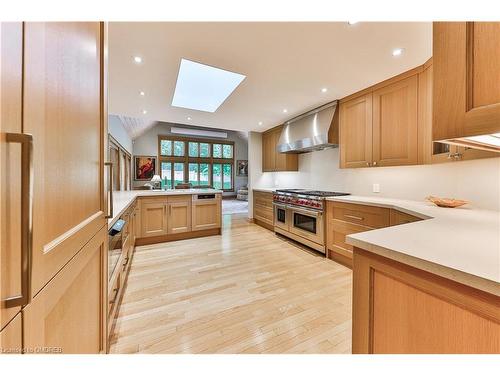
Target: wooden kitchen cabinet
348	218
11	50
56	91
154	218
179	214
206	213
399	309
356	132
398	218
11	336
263	213
272	160
395	134
466	97
66	315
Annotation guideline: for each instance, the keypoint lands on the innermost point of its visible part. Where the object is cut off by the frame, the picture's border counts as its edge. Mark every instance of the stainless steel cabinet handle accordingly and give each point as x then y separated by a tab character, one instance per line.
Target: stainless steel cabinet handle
110	182
354	217
26	141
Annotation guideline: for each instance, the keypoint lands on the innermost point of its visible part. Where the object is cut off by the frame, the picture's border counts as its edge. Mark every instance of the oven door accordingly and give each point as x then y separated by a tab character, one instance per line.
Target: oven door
307	224
281	216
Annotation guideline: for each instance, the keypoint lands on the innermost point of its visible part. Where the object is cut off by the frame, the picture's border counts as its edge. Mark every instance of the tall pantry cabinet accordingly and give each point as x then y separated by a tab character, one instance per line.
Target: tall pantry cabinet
53	222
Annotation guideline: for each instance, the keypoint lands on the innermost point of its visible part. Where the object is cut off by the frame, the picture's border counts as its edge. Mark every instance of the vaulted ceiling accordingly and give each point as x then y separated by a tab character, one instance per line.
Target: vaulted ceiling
286	66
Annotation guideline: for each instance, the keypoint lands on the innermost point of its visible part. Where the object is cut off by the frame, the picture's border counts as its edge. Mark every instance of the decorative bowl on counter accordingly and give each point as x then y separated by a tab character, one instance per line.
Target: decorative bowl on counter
446	202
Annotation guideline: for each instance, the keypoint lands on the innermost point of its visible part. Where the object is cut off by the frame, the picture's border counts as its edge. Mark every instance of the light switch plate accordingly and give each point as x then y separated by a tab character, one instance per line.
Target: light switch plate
376	188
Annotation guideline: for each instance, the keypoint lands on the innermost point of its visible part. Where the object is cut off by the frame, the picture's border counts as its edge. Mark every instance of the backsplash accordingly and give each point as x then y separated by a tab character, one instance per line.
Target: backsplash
476	180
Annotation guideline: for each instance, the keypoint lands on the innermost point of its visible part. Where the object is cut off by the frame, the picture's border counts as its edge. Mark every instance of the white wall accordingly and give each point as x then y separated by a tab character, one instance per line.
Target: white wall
147	144
116	129
475	180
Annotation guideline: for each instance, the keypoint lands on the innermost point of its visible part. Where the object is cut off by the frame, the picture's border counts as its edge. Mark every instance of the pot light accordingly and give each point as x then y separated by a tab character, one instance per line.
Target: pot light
203	87
144	111
189	118
397	51
285	110
142	93
137	59
260	123
324	89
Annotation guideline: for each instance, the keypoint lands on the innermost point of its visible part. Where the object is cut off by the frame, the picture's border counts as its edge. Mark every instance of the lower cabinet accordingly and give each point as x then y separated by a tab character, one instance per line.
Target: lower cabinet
206	213
179	214
263	209
66	316
11	336
400	309
350	218
153	217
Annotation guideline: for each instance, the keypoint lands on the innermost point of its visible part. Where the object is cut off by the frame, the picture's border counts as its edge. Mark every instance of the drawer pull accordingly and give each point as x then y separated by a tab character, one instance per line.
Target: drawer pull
354	217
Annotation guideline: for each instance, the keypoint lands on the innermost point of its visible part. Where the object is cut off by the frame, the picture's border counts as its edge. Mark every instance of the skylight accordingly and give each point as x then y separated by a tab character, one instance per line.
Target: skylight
203	87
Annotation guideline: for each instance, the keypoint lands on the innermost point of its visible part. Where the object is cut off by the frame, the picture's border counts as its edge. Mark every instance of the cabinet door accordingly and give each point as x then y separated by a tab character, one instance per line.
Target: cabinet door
268	152
356	132
395	135
11	39
466	74
179	216
153	218
206	214
62	109
11	337
66	316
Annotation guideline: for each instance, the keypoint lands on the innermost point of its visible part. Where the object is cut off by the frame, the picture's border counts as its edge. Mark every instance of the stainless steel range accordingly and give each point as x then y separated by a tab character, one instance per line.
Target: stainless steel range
299	215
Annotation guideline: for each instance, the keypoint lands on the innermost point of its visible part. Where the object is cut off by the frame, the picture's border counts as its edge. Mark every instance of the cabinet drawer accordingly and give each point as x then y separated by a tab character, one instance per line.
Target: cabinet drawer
338	230
398	217
263	199
368	216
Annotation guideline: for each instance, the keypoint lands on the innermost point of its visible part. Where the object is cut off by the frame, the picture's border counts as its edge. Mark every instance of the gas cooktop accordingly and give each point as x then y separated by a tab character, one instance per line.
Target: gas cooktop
316	193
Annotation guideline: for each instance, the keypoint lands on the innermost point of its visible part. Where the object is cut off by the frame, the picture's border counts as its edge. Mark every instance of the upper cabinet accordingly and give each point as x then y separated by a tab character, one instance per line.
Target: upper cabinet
356	132
395	140
466	96
379	126
272	160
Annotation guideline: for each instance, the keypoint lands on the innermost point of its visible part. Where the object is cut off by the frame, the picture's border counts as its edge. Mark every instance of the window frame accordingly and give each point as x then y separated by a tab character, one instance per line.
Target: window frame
186	159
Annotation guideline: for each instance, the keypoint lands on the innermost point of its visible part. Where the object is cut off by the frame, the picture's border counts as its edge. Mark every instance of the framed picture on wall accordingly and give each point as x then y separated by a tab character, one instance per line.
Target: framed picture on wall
242	168
145	168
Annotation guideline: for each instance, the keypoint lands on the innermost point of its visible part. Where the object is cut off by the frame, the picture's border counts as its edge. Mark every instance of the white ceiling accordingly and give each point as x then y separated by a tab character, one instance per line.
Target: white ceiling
286	65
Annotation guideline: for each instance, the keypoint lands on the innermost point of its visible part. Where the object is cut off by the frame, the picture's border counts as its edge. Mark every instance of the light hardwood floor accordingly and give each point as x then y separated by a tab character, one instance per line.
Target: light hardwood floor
246	291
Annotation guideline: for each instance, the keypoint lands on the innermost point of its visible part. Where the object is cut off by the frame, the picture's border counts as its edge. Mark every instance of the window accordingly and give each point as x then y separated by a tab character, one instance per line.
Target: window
201	162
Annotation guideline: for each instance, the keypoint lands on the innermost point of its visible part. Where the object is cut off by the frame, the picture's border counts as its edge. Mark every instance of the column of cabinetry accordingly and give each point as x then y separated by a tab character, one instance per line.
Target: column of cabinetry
272	160
53	104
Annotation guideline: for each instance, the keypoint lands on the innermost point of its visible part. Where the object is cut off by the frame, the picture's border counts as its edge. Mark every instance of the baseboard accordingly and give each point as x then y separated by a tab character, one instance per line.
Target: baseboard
263	224
177	236
341	259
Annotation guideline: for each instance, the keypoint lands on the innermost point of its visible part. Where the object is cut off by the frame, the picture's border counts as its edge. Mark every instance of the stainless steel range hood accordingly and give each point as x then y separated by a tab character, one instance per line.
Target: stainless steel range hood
311	131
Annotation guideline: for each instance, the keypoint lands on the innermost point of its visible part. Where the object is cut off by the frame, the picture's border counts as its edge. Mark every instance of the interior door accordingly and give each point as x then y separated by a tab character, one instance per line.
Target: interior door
11	53
395	137
62	107
356	132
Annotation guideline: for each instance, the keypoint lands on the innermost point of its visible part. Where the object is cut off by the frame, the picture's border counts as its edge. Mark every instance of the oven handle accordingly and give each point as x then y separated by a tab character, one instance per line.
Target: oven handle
281	205
307	211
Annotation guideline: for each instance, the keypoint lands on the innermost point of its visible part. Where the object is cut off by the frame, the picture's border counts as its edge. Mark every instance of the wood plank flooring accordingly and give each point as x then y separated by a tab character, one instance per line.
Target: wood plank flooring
246	291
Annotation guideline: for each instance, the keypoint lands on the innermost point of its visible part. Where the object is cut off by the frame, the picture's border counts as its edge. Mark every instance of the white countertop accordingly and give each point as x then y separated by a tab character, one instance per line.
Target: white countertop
265	190
123	199
461	244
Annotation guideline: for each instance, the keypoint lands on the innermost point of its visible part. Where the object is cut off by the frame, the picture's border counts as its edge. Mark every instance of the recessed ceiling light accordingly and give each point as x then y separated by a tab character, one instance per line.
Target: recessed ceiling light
189	118
324	89
142	93
144	111
285	110
203	87
352	22
260	123
397	51
137	59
